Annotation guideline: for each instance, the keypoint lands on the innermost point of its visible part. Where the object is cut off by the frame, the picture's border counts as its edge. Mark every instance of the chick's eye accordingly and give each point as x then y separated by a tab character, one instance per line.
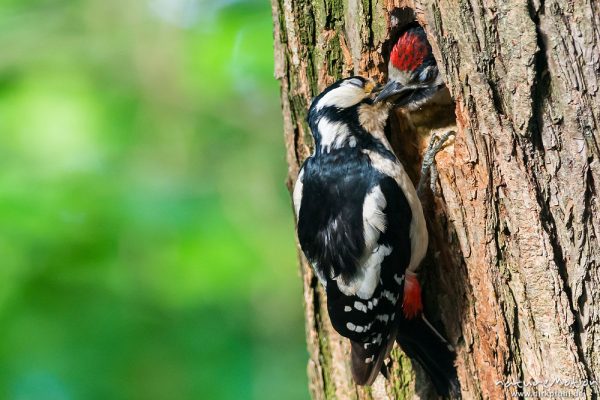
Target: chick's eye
428	74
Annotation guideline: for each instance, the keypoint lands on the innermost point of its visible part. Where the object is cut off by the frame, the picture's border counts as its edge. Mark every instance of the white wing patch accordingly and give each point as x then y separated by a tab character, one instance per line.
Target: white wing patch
333	134
297	195
418	229
372	269
374	220
367	278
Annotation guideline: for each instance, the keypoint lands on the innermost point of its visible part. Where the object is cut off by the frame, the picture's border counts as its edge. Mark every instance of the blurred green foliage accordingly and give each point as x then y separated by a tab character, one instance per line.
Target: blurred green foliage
146	236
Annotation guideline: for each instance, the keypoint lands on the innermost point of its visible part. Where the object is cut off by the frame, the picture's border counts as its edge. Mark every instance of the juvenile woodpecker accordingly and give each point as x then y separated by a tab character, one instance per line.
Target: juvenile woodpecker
362	229
413	75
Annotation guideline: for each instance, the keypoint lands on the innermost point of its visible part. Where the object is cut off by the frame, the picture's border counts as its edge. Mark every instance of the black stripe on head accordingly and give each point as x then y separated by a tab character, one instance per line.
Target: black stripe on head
332	106
340	110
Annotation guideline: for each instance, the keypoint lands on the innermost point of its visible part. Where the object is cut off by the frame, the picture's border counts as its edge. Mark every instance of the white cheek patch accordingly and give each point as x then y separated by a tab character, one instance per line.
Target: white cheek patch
342	97
333	134
374	220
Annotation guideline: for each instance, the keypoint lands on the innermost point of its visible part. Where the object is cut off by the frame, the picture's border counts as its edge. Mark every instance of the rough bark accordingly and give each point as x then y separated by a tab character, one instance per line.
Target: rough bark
512	270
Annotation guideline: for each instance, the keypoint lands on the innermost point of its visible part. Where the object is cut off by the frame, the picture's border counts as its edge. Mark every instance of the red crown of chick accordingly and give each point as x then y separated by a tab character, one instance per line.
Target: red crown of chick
410	51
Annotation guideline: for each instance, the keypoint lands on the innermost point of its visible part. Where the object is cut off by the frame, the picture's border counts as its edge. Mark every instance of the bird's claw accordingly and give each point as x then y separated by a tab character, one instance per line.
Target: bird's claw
428	167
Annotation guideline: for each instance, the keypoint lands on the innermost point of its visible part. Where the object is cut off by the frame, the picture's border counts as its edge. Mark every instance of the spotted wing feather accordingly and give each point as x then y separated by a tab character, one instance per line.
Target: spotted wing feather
373	332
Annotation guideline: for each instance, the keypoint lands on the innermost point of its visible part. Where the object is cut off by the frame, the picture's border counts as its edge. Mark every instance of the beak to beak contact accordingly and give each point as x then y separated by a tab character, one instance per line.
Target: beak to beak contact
394	92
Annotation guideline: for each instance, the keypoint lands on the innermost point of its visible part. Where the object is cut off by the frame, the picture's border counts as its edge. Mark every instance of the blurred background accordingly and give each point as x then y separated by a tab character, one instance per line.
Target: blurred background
146	235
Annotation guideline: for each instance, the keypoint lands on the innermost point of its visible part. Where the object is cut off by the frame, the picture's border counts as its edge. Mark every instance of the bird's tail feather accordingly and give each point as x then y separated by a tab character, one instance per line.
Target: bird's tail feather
368	361
423	343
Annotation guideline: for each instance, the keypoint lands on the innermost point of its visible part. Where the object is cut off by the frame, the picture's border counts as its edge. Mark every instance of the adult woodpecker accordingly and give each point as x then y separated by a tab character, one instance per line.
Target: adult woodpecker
362	229
413	75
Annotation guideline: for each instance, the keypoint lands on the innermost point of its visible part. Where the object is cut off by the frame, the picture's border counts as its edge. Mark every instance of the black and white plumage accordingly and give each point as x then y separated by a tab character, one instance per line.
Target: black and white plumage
361	227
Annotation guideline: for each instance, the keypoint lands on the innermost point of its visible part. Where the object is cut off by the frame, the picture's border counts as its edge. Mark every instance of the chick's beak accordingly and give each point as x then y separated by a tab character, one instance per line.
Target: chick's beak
394	92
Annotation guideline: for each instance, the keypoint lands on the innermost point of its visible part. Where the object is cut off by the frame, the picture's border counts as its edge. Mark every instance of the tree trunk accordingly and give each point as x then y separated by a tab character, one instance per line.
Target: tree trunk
512	272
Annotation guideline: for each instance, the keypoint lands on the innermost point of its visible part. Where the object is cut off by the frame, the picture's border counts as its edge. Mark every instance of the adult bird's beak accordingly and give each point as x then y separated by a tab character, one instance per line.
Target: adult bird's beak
395	93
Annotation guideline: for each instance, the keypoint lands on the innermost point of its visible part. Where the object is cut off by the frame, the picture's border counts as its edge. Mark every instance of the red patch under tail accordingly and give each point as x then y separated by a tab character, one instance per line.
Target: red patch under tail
412	304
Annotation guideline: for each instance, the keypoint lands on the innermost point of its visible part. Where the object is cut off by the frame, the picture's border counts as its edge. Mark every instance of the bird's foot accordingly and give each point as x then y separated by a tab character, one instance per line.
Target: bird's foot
428	167
411	305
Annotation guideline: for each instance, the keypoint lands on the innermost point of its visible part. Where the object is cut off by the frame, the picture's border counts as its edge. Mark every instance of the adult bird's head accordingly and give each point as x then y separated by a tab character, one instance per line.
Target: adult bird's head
344	114
413	76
